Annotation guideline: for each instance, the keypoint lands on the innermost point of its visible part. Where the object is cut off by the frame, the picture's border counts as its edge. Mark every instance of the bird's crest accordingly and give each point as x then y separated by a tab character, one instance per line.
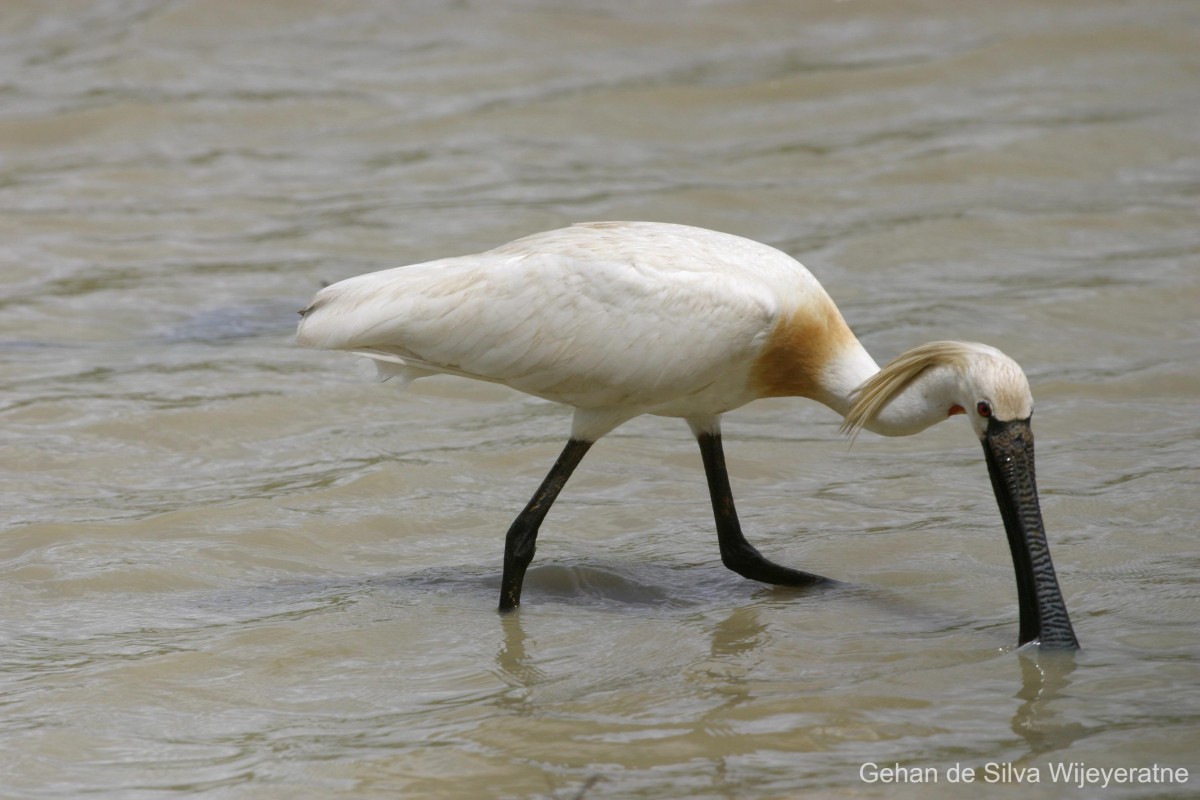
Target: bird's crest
881	388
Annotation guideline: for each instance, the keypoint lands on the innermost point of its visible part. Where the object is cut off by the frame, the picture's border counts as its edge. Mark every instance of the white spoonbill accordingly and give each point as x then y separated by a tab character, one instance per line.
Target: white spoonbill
618	319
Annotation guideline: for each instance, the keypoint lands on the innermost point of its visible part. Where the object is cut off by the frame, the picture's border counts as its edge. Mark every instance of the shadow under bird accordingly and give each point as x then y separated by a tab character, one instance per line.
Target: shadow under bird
619	319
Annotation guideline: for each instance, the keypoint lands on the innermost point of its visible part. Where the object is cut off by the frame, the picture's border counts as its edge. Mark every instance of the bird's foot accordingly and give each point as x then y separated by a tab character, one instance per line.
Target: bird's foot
749	563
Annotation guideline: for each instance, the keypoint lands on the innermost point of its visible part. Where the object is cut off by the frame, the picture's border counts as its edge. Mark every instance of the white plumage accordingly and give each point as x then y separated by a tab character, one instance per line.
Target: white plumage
618	319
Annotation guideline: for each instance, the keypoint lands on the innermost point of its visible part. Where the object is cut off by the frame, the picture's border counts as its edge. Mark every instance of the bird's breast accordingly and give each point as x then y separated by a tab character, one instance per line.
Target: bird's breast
796	358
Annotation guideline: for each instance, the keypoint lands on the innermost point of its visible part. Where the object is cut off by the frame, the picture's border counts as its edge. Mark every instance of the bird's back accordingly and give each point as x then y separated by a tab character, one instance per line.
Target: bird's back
630	314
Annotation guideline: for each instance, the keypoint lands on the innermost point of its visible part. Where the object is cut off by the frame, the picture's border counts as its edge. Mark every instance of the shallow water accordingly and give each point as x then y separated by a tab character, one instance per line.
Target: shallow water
231	568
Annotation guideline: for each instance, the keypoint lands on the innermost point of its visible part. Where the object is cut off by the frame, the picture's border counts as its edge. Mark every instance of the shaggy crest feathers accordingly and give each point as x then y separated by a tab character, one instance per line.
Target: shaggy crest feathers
881	388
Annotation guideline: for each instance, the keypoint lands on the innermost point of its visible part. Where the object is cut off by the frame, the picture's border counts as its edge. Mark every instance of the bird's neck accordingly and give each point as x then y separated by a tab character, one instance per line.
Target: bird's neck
924	402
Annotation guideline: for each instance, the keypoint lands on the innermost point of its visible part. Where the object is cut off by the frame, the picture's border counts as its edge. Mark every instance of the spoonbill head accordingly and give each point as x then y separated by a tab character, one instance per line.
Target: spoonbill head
992	391
619	319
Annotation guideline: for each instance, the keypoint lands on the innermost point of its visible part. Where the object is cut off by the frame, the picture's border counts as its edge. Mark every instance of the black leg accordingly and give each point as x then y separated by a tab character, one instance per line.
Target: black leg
521	540
736	553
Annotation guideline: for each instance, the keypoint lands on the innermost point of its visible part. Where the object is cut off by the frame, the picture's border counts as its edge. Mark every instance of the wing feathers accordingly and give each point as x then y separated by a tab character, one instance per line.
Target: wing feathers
587	315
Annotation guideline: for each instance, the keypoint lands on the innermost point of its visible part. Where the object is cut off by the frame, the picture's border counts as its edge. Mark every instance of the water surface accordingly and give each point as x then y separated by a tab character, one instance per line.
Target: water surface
231	568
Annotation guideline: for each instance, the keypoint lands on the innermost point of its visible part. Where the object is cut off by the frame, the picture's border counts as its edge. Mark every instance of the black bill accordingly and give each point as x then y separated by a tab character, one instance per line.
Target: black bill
1008	447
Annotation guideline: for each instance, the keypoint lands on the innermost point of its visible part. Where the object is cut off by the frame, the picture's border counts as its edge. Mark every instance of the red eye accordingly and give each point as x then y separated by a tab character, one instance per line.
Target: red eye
983	408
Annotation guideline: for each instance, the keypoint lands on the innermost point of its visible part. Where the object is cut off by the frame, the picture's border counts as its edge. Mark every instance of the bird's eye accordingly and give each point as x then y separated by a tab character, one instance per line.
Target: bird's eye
983	408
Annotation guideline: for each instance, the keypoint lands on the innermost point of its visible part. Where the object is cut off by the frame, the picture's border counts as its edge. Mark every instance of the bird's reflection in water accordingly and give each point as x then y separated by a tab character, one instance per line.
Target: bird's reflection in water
733	641
513	660
739	633
1045	674
736	644
1045	679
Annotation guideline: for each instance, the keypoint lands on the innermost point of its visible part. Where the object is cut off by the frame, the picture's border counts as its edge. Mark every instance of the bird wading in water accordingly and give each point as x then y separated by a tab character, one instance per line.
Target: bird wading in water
619	319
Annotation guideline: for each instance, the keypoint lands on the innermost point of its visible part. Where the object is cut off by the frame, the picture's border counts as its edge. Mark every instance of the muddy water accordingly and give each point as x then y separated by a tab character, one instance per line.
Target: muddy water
234	569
